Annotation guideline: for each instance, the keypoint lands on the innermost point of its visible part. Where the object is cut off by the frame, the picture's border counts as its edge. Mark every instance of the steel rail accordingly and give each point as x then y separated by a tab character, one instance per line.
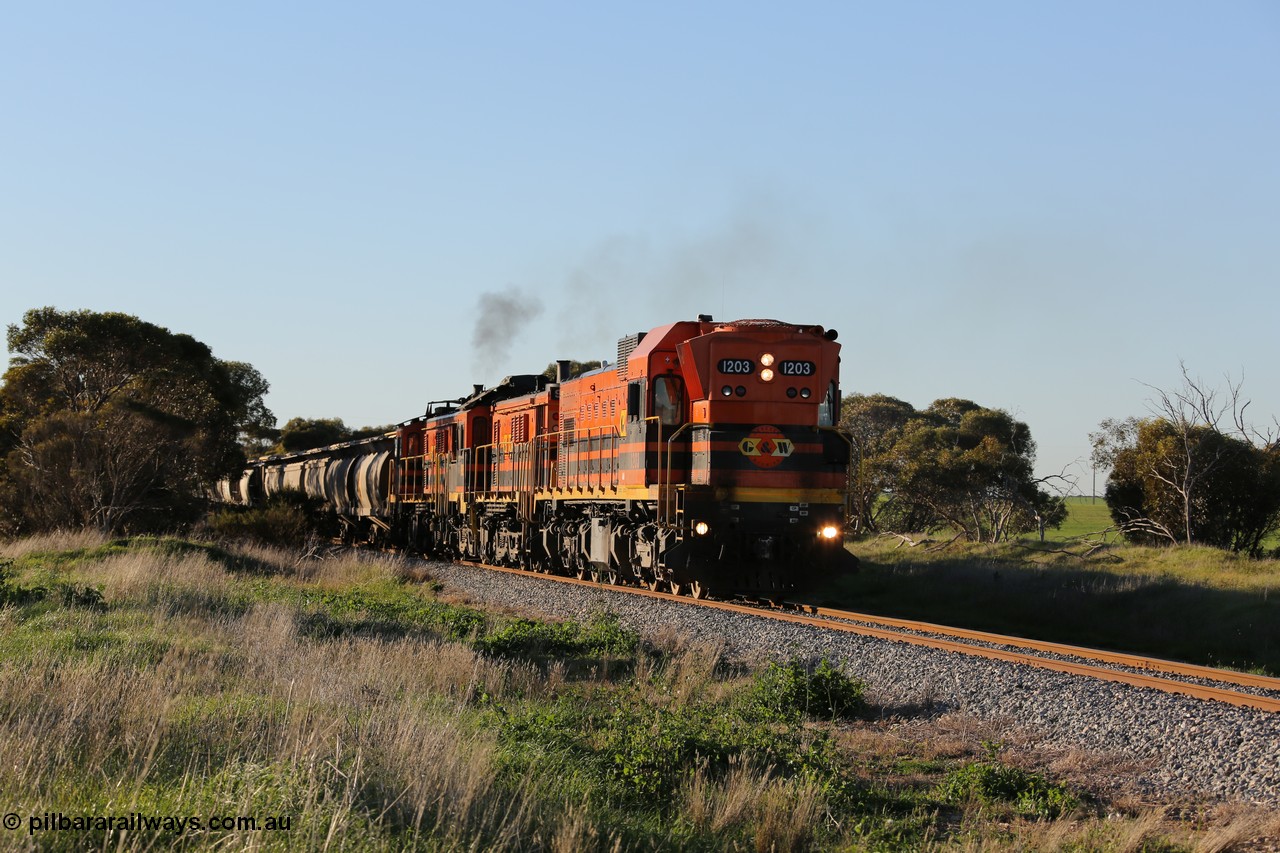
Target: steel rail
812	618
1152	664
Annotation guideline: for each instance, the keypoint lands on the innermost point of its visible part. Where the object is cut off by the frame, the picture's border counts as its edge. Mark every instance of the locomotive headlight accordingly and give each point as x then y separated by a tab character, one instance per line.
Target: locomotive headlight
727	391
806	393
829	532
701	528
767	359
766	375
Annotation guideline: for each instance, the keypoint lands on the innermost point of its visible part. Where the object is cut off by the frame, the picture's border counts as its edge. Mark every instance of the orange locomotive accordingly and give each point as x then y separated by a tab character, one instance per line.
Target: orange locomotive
706	457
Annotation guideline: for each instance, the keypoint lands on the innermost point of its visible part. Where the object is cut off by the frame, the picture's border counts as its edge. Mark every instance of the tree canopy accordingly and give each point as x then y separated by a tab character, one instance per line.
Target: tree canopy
954	465
1193	472
576	368
109	421
306	433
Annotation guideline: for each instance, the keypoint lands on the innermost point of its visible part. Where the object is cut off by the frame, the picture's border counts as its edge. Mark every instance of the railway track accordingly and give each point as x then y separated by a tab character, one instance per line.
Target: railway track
1205	683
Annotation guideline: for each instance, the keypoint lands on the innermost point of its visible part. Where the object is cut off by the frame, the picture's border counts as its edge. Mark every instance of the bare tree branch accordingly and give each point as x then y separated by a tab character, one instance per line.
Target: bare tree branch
904	539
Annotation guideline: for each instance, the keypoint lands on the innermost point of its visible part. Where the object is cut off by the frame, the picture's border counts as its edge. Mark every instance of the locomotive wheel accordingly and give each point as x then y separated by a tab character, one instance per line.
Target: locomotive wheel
697	590
677	588
608	576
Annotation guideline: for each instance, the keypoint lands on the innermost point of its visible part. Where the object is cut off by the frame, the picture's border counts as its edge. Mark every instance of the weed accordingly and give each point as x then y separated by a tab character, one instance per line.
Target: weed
602	637
990	782
796	689
68	594
73	595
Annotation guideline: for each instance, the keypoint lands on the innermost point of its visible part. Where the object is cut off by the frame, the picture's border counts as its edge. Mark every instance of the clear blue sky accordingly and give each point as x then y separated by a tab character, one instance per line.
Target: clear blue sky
1037	206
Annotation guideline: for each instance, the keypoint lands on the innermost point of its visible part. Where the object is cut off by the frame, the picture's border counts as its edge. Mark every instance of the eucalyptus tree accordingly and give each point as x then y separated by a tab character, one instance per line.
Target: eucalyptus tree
955	465
1194	471
874	423
112	422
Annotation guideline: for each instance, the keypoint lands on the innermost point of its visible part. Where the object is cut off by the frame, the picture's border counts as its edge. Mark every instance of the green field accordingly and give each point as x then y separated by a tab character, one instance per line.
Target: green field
1089	517
1085	516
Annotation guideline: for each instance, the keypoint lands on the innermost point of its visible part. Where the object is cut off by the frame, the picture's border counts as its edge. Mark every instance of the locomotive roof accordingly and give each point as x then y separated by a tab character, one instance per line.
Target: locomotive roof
510	386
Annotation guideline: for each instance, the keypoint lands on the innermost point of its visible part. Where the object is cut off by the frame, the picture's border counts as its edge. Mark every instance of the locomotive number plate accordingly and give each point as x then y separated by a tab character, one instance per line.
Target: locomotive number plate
796	368
736	366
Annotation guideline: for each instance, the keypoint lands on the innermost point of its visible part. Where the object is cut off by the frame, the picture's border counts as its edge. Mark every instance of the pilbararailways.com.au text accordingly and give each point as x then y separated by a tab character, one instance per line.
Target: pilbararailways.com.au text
138	822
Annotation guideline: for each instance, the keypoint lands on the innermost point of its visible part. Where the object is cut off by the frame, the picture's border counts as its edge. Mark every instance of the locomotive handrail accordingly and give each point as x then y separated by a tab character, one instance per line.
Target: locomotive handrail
664	497
440	463
572	447
581	449
408	485
848	439
546	474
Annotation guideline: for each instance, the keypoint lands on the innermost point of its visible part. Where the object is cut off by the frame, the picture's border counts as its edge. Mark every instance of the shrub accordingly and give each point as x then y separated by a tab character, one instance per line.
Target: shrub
625	747
287	519
991	782
603	636
794	690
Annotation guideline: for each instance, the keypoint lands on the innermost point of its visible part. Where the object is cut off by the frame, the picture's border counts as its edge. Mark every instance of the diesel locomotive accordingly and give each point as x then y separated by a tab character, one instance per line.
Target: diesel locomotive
706	457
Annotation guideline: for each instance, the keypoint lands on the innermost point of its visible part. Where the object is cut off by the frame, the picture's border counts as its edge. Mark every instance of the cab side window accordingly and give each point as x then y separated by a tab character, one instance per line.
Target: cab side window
829	413
668	400
635	398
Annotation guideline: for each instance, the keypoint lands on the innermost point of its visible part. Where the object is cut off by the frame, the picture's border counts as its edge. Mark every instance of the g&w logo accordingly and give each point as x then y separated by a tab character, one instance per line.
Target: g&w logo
766	446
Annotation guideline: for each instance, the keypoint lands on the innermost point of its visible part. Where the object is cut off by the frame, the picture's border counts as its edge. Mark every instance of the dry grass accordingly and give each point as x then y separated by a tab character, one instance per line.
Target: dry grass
1210	567
778	814
687	669
158	577
326	568
1236	827
58	540
246	714
330	724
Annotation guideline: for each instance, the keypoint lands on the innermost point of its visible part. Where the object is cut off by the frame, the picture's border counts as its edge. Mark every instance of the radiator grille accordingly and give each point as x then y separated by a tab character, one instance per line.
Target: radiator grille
626	346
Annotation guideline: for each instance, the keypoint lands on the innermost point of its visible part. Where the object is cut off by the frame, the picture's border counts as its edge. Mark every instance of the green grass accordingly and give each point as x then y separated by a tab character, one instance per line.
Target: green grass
1085	517
1089	517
